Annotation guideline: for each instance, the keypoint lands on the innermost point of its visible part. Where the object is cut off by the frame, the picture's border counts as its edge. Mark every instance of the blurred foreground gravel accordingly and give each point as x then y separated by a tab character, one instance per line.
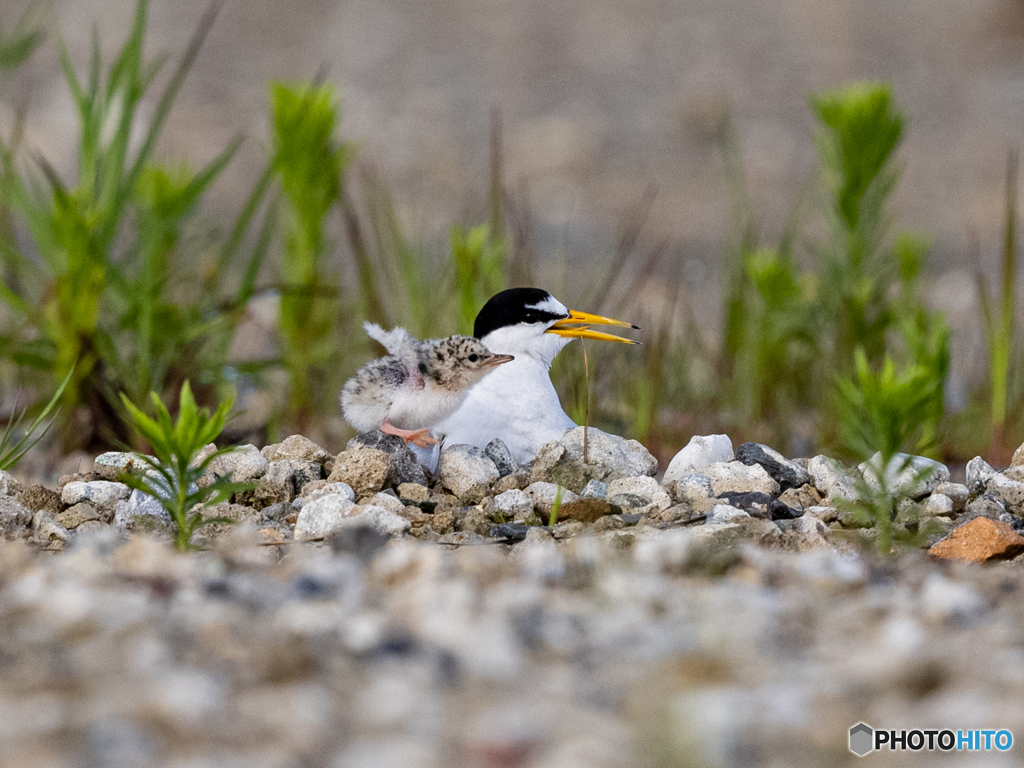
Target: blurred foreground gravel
617	648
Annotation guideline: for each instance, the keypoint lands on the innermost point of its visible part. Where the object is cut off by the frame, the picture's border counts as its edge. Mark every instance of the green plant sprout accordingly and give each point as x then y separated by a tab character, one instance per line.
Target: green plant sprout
882	413
172	477
555	506
11	451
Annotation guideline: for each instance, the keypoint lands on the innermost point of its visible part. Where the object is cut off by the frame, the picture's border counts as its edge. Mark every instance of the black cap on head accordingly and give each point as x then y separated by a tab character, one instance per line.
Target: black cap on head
512	307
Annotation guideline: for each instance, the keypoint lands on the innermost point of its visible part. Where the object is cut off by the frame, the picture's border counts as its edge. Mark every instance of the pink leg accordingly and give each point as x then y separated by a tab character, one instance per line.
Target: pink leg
420	437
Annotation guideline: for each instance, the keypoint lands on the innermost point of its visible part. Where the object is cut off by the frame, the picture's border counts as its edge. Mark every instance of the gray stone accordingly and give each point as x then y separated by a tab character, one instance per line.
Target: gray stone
277	486
74	516
725	513
304	471
405	468
826	473
654	498
701	451
984	506
13	513
512	505
912	476
733	476
364	470
979	472
1009	492
97	492
785	472
543	495
609	458
825	514
9	485
595	489
384	521
801	498
957	492
938	505
243	464
467	472
319	516
413	493
110	465
499	453
386	501
296	448
138	508
325	490
690	489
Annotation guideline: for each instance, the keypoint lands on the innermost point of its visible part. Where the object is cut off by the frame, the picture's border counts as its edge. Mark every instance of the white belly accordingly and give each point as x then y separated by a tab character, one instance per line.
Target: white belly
516	403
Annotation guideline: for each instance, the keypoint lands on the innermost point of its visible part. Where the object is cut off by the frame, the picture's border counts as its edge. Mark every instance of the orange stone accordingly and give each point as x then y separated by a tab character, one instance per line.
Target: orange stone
979	541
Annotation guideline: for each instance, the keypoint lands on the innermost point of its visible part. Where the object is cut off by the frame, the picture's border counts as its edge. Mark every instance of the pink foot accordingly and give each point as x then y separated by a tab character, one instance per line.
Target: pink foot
419	437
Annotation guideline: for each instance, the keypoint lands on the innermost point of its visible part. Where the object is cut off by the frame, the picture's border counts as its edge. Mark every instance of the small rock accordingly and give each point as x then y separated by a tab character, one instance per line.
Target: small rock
543	495
320	516
9	485
405	468
512	505
74	516
979	541
277	486
413	493
110	465
467	472
785	472
296	448
328	488
477	520
654	497
978	474
461	539
984	506
734	476
97	492
518	479
701	451
386	522
826	473
937	505
243	464
761	505
386	501
1009	492
724	513
13	513
567	529
609	458
364	470
139	510
595	489
37	497
801	498
690	489
510	532
499	453
825	514
49	534
912	476
588	510
304	471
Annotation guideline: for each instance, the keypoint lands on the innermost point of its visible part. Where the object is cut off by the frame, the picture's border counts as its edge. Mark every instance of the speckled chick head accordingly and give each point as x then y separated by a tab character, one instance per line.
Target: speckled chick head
459	362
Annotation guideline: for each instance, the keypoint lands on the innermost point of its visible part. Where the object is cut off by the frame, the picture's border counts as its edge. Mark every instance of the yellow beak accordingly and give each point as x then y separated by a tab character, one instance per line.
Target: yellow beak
577	326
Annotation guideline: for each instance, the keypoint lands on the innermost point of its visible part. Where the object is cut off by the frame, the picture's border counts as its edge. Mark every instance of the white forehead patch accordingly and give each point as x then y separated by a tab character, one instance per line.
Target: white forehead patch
550	304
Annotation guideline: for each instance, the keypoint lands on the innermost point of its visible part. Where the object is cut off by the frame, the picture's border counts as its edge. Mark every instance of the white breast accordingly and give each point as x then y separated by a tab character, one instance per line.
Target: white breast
516	403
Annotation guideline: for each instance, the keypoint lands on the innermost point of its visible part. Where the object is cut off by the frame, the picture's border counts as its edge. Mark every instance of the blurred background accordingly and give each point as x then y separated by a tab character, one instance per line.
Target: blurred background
659	160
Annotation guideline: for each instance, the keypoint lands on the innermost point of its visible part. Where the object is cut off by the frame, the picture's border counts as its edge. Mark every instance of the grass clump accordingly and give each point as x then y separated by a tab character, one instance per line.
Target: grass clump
172	477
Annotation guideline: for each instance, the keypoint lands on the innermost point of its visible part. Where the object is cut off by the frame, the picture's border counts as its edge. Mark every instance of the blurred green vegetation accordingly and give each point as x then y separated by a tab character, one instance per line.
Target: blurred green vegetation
826	344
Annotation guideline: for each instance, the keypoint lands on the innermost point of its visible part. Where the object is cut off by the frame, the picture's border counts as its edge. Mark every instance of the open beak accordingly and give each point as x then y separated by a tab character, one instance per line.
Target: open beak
577	326
497	360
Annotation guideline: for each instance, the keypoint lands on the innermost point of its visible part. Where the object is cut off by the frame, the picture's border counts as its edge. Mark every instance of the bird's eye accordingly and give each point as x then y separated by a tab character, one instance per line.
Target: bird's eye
474	358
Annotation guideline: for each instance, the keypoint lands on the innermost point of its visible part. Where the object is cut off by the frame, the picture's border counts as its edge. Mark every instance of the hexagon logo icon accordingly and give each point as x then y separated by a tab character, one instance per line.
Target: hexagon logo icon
862	738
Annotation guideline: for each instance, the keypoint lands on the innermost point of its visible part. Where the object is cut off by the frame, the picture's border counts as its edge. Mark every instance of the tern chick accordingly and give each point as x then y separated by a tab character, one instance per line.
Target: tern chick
418	384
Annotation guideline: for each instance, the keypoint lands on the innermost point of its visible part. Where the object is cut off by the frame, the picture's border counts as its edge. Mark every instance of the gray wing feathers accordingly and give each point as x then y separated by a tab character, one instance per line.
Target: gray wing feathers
398	342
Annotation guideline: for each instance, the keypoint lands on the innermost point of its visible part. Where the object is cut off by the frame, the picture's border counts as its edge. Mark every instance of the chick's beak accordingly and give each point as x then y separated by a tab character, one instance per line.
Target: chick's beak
577	326
495	360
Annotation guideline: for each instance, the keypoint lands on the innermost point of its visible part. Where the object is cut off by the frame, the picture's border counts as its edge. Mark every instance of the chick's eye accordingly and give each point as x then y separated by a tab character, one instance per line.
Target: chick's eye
474	358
